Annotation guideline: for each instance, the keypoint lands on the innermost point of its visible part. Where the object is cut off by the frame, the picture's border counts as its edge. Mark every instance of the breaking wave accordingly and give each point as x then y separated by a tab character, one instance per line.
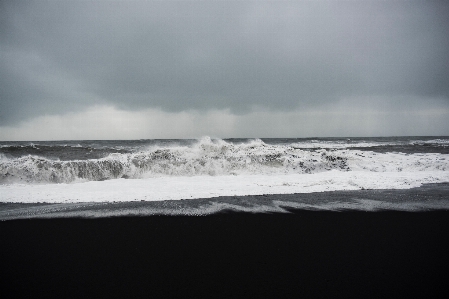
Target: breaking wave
206	157
212	157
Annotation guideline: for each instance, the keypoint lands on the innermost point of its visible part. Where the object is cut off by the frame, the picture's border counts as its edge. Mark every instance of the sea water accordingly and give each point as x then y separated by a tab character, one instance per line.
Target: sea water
75	173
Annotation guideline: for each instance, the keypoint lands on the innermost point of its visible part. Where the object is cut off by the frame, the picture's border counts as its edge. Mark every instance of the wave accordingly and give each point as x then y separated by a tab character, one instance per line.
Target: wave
58	152
206	157
432	142
338	145
212	157
342	144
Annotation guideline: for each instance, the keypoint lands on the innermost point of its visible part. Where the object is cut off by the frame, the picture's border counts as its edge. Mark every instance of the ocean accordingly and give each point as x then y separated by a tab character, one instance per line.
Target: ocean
222	218
207	175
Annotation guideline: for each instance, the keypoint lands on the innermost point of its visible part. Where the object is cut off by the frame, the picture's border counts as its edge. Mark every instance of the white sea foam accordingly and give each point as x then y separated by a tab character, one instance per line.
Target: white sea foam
440	142
337	145
176	188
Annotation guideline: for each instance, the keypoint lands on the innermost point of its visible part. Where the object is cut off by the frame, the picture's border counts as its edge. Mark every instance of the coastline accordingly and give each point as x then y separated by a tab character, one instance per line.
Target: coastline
427	197
232	253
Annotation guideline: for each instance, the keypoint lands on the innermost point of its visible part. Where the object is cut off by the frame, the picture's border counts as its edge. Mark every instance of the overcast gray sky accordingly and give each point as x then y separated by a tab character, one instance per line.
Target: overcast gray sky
169	69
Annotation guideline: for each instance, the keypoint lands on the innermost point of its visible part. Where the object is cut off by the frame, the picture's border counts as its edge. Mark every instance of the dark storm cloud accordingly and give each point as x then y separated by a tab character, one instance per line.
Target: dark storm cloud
60	56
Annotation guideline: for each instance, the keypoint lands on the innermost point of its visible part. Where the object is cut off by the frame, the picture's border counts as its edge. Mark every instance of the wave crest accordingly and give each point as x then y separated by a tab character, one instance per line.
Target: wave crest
206	157
213	157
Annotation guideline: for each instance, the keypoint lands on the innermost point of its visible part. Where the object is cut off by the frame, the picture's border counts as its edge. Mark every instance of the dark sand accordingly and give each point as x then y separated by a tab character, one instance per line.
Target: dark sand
427	197
305	253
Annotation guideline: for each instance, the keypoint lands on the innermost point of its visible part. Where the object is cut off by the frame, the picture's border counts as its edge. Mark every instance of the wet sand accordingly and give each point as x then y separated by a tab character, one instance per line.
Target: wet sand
427	197
229	254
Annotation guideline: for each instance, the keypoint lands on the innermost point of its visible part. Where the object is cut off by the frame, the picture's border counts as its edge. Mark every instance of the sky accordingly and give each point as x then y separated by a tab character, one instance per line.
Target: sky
185	69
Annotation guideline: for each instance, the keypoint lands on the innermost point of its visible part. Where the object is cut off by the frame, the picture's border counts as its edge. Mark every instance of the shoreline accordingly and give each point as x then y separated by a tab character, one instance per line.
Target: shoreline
427	197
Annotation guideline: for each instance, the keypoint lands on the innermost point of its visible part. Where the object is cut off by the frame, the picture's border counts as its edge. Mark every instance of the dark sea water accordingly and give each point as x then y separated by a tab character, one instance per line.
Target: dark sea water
67	150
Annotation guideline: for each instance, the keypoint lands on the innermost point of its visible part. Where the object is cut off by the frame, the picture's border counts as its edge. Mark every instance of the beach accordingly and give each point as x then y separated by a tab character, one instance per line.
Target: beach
366	217
229	254
224	149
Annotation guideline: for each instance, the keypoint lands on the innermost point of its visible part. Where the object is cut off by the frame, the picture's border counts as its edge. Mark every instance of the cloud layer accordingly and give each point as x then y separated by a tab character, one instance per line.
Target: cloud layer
60	58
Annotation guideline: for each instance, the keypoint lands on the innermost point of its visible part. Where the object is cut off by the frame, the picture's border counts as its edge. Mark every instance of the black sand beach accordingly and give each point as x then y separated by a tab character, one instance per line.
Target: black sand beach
224	149
229	254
